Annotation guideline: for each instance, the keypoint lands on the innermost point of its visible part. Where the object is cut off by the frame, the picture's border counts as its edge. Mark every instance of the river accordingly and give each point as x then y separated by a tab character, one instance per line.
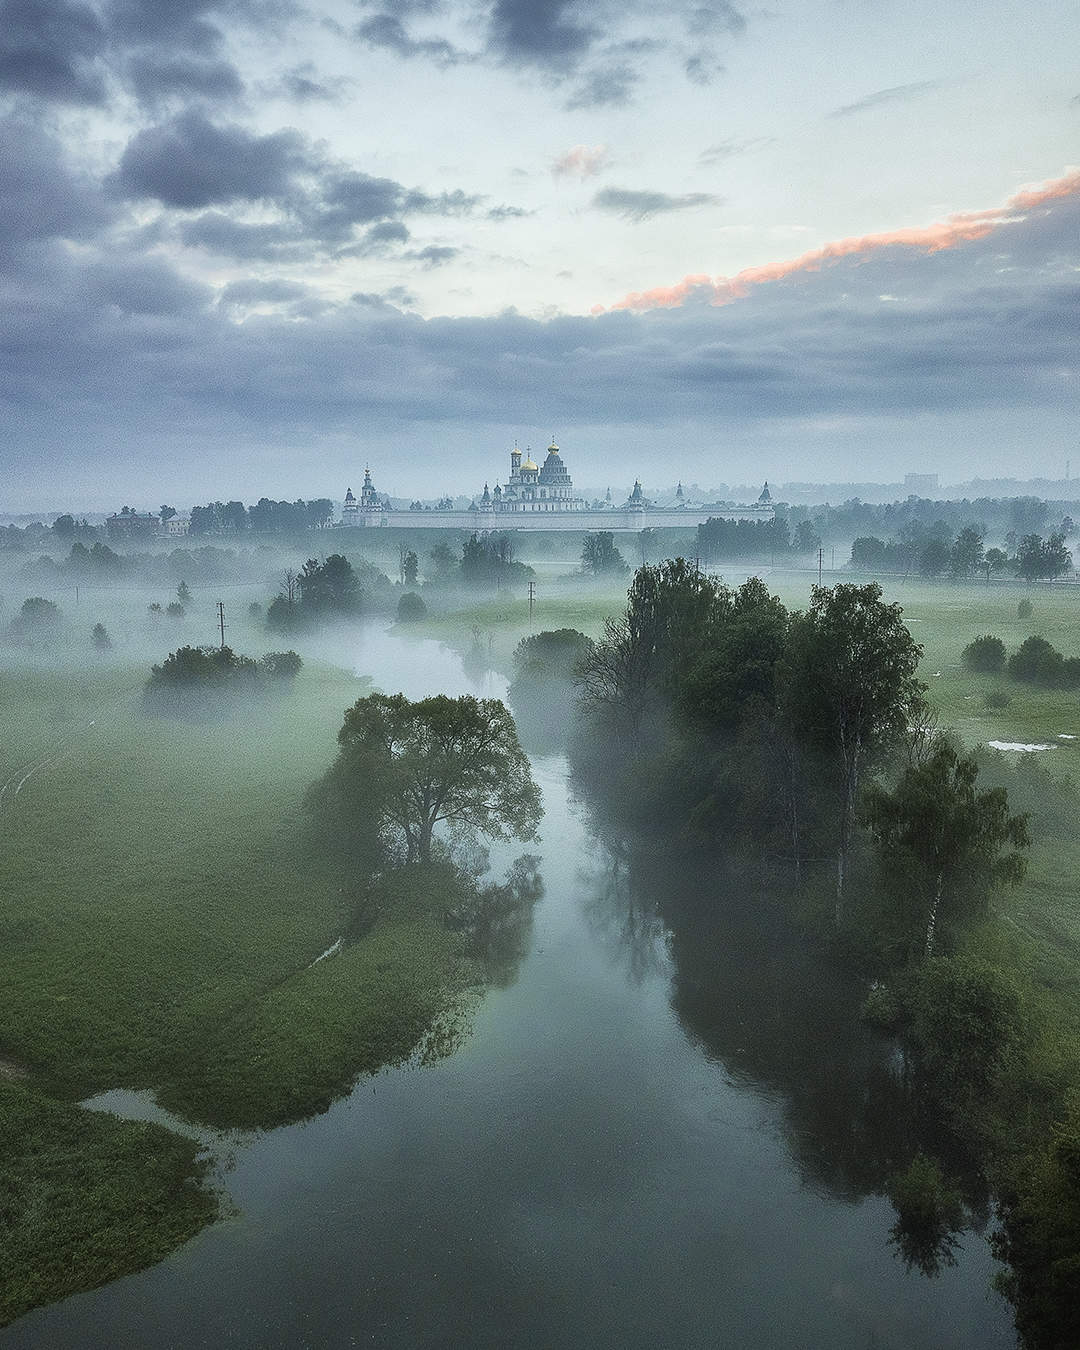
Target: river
647	1140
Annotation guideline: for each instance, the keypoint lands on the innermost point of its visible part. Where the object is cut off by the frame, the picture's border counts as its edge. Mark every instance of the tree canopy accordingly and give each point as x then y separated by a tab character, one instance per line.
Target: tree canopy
412	766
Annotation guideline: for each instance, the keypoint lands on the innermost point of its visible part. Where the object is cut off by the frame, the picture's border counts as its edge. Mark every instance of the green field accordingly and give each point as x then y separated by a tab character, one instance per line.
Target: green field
162	900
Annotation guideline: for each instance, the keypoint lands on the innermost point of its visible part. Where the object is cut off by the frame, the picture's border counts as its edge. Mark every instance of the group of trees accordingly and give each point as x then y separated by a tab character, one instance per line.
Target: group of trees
600	557
487	562
264	517
933	551
1035	661
193	679
315	594
718	539
794	735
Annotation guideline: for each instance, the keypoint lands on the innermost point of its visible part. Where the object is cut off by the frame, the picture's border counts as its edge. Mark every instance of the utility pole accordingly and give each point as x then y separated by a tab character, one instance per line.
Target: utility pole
820	556
221	620
532	600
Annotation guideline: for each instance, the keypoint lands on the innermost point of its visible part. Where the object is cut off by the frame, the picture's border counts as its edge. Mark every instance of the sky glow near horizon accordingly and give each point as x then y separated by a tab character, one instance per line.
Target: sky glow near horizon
248	247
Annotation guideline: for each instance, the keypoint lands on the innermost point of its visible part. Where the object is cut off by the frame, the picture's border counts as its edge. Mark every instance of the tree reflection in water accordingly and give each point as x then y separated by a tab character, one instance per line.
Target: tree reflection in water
768	1004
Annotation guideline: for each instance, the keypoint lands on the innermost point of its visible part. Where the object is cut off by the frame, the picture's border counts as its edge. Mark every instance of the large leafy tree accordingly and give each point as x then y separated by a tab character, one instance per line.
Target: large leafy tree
944	845
413	766
848	689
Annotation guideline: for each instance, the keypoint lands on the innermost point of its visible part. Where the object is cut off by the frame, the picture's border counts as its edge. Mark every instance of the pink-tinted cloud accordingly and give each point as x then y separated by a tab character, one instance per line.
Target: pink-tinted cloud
959	228
581	161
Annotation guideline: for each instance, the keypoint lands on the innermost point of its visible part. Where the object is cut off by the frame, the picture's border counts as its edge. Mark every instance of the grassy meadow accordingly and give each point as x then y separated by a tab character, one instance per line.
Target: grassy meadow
162	902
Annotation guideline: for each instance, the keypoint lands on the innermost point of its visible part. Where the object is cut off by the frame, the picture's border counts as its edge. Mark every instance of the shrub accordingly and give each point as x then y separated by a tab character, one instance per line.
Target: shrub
882	1008
280	665
411	608
986	654
1023	609
175	610
996	699
100	638
1037	662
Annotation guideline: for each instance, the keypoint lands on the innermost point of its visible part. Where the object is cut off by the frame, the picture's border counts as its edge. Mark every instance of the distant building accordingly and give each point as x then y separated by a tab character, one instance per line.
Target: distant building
175	527
129	524
531	487
920	484
766	495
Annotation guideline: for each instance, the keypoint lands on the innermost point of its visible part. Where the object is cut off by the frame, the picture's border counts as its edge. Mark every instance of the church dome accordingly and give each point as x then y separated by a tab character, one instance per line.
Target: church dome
529	466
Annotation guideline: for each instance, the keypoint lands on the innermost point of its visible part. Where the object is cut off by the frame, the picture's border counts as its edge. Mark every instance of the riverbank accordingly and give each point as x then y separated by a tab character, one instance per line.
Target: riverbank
164	903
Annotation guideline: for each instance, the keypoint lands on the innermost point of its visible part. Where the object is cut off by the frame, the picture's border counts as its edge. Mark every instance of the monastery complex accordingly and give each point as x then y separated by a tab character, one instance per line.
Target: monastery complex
541	497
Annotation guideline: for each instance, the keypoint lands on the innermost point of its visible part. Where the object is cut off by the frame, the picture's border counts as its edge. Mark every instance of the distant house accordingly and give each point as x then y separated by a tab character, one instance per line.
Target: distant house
177	527
128	524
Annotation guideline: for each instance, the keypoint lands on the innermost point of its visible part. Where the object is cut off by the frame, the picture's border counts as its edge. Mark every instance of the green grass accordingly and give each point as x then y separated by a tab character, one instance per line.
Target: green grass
85	1198
161	904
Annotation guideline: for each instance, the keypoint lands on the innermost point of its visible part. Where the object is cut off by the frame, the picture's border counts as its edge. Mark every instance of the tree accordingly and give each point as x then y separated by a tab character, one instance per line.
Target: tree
445	761
329	588
848	688
411	608
38	617
967	552
166	513
64	527
985	654
183	594
100	638
807	539
410	567
280	665
943	844
600	557
934	558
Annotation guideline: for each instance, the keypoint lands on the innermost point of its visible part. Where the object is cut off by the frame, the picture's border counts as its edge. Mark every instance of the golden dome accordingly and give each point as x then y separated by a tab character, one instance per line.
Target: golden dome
529	465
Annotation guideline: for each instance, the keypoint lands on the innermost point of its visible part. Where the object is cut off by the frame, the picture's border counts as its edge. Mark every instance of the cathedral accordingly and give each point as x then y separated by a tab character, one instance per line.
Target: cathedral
532	487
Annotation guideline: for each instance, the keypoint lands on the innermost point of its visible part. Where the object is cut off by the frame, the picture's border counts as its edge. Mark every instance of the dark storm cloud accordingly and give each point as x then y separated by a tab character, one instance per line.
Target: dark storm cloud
52	49
189	162
638	205
900	93
388	32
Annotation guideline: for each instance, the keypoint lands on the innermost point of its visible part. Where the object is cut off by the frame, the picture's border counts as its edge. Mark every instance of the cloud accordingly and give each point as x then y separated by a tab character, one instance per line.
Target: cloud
41	196
609	86
189	162
724	150
388	32
156	78
961	227
540	32
717	18
975	351
581	161
302	84
637	205
900	93
435	255
703	67
253	291
52	50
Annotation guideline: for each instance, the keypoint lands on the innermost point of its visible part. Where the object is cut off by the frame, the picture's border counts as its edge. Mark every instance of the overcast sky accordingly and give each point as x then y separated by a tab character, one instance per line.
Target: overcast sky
248	247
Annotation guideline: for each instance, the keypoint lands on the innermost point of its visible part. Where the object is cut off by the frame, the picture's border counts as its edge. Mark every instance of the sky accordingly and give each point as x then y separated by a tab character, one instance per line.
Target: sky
249	247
